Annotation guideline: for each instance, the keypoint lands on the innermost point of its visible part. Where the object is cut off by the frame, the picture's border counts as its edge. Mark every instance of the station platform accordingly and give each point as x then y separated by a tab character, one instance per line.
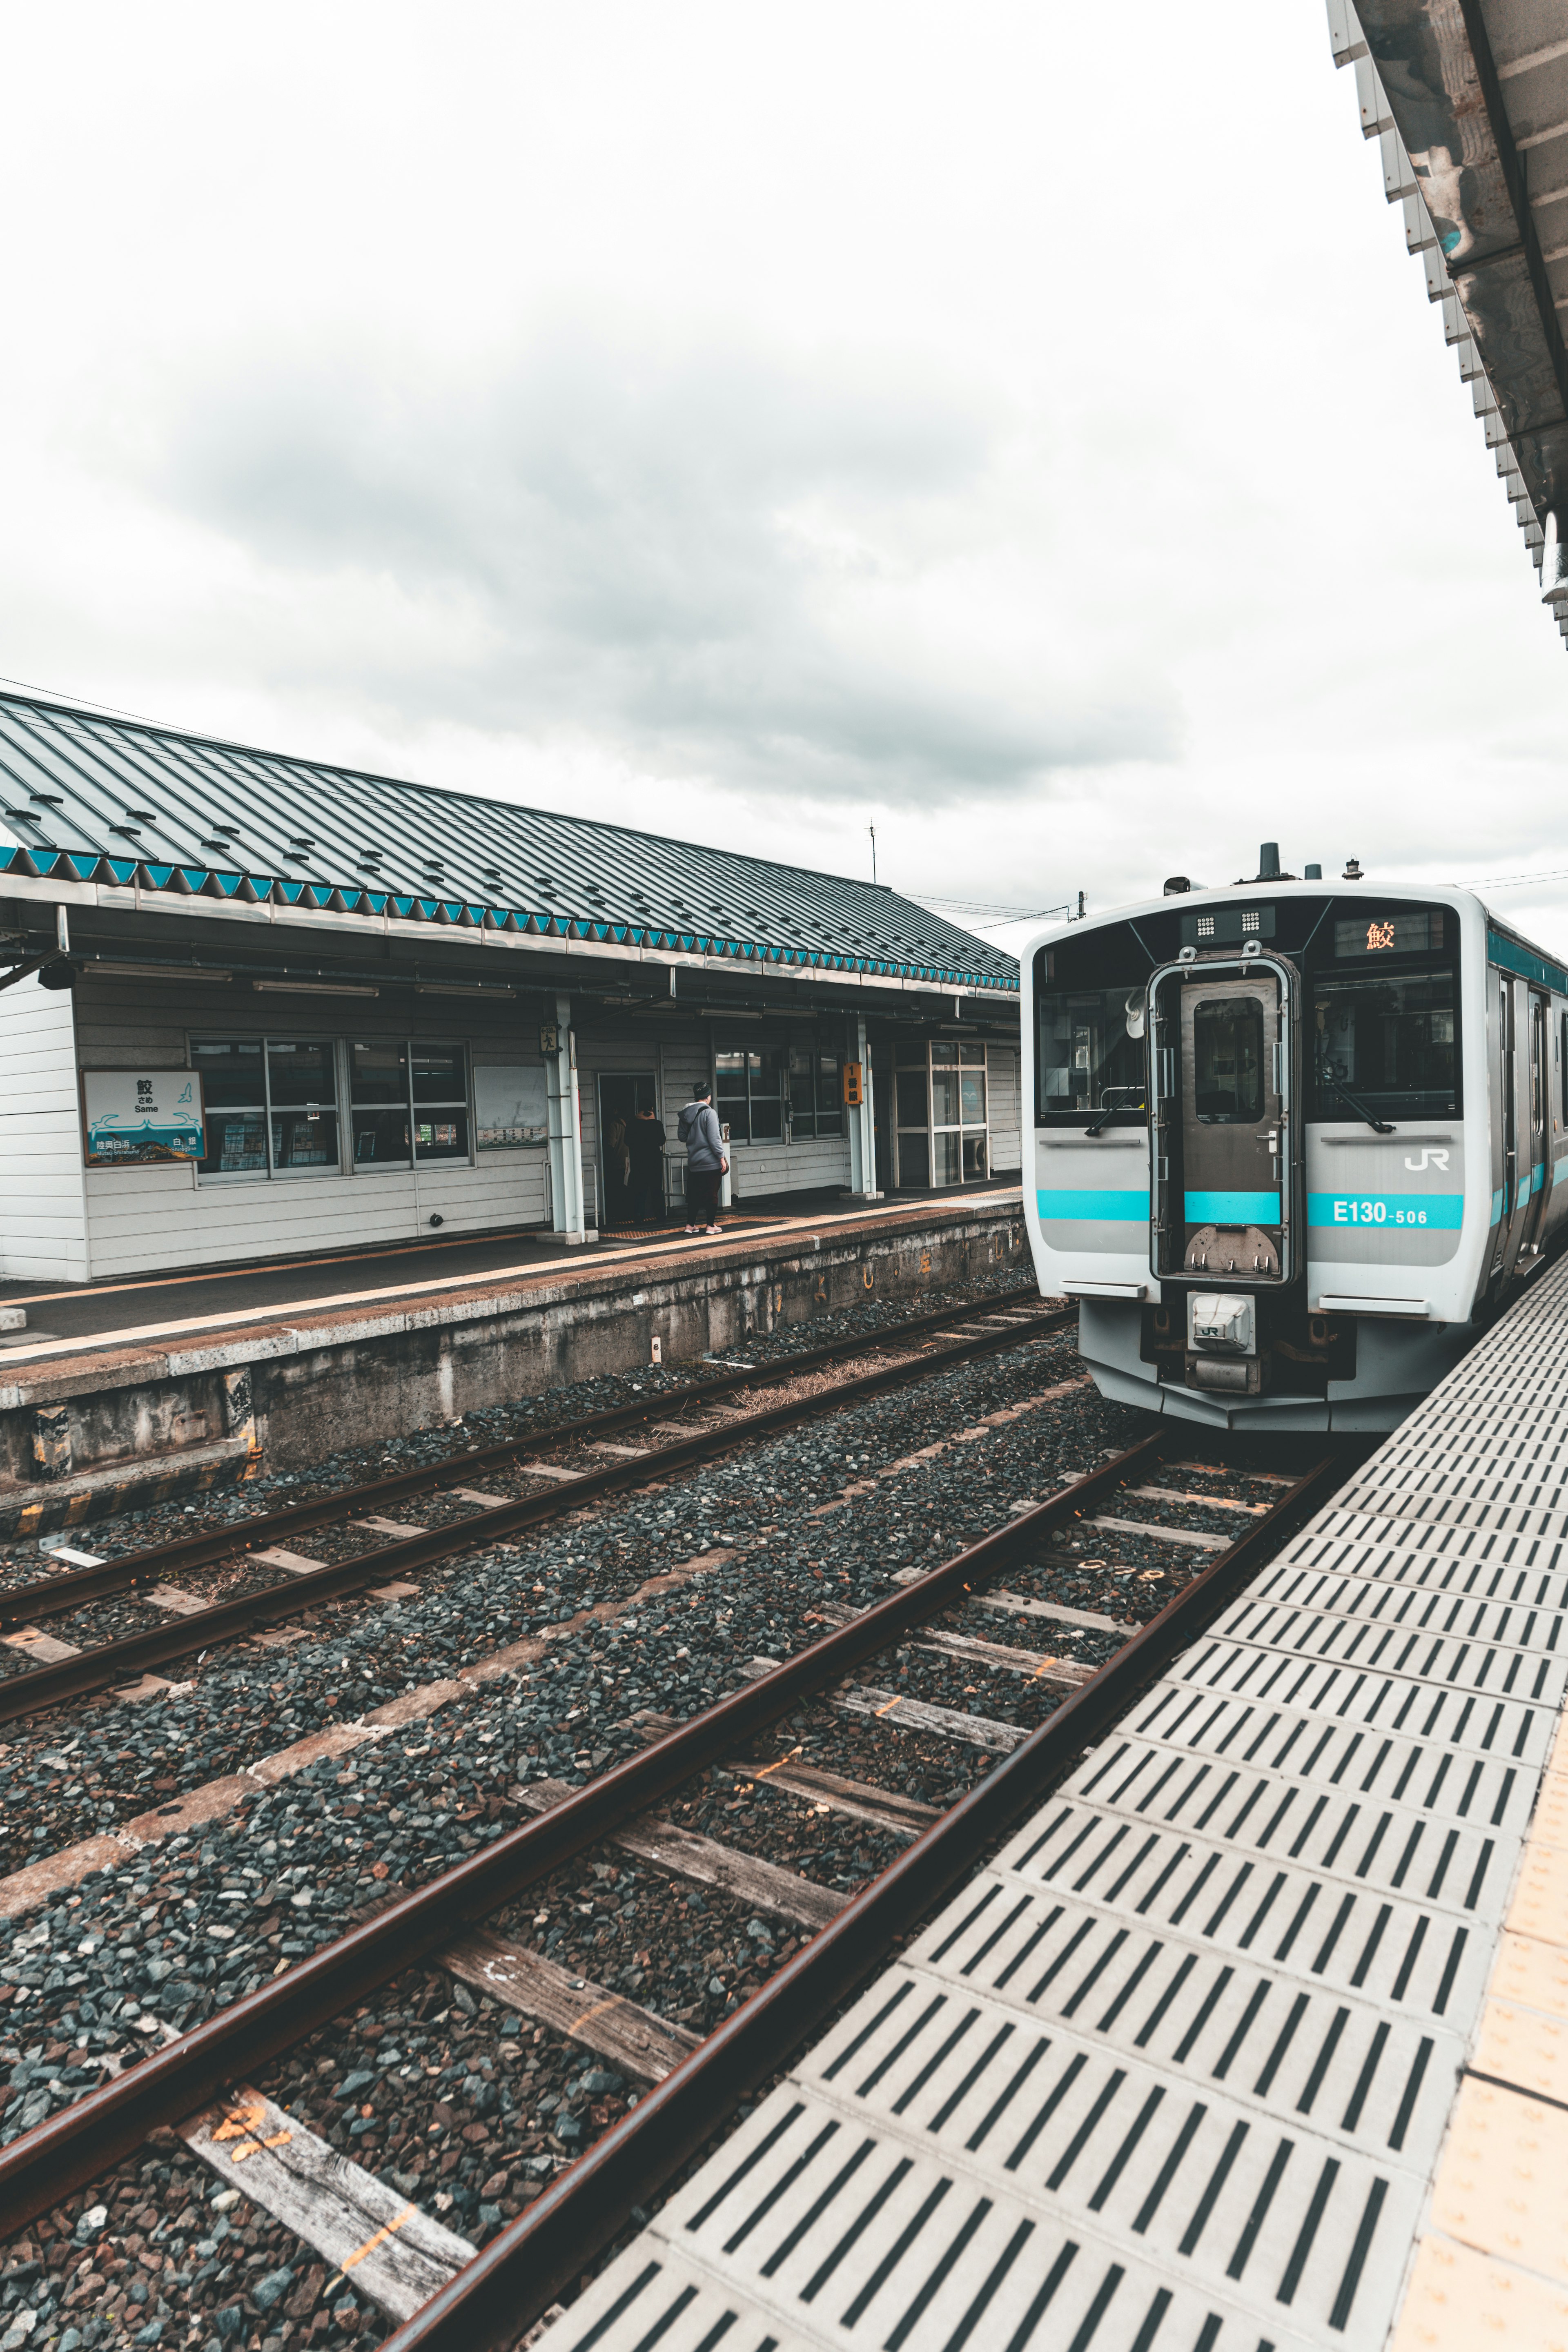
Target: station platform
1256	2037
129	1392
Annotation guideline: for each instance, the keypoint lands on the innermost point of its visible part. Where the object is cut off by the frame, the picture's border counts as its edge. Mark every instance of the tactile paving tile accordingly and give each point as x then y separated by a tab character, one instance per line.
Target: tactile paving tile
1017	2283
1422	1581
1393	1949
1427	1775
1520	2046
1528	1970
1456	1864
1499	1726
1500	2184
1345	1519
1364	1547
1175	2072
1540	1905
1381	2081
1486	1662
1459	2301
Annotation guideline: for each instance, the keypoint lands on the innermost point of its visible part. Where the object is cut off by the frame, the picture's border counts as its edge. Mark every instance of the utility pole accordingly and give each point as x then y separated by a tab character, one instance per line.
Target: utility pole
872	831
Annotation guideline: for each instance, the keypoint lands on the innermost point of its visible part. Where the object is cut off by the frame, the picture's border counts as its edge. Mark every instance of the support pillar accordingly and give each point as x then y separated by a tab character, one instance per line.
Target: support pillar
861	1119
565	1131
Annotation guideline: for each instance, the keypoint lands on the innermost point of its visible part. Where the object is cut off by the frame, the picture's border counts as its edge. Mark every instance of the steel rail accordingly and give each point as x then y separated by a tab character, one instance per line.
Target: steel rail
495	2298
38	1687
52	1596
66	2151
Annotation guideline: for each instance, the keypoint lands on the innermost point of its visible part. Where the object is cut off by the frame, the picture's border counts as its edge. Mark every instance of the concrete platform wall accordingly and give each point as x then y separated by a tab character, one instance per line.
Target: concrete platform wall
79	1440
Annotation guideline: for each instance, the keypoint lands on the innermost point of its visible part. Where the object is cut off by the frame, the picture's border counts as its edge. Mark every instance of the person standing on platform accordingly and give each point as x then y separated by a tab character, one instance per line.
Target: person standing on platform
697	1129
645	1142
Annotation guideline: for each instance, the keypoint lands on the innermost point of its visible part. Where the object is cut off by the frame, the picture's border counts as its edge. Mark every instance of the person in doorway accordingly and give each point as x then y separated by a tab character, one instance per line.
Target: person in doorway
697	1129
644	1144
615	1152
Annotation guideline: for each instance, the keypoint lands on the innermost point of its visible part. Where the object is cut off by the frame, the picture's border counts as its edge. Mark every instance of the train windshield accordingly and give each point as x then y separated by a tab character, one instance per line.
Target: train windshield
1388	1038
1091	1049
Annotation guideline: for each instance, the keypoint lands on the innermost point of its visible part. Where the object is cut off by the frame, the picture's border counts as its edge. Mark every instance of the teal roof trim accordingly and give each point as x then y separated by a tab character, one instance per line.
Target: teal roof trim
95	779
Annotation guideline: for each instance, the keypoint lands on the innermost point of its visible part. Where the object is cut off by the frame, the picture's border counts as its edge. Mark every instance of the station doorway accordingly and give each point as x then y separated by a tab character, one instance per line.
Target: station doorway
626	1203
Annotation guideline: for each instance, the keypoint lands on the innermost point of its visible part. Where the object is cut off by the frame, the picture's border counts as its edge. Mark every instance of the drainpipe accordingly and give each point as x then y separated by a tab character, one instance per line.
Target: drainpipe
565	1132
862	1119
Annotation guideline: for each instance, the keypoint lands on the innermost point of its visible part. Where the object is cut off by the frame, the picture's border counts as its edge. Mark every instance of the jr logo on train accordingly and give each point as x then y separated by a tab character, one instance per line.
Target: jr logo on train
1291	1145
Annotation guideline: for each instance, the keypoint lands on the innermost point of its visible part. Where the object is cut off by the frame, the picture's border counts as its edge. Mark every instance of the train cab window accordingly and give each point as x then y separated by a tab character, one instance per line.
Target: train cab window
1228	1055
1091	1054
1390	1039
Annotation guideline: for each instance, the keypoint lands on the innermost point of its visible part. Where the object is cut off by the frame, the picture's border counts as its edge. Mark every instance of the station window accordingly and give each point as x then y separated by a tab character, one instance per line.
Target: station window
403	1090
271	1106
942	1109
815	1091
748	1089
767	1093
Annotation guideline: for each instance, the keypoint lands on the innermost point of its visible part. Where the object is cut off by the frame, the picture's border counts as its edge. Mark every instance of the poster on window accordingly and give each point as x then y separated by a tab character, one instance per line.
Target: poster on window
510	1105
132	1118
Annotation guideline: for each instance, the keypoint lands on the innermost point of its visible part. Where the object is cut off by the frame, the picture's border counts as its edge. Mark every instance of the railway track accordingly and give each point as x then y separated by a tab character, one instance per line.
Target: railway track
555	1470
904	1672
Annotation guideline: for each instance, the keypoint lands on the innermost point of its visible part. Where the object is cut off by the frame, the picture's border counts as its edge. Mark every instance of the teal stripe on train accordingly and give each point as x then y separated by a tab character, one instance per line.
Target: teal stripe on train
1094	1205
1442	1211
1233	1208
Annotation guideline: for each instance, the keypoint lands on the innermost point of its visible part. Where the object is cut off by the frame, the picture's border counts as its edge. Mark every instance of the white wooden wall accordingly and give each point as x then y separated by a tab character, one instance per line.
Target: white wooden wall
60	1223
678	1053
43	1219
141	1219
799	1167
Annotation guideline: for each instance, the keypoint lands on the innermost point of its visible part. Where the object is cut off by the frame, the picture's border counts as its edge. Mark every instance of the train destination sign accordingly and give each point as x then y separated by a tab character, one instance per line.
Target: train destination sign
1402	932
132	1117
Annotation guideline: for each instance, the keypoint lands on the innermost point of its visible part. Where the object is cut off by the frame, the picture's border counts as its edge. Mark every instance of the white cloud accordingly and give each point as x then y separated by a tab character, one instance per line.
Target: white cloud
1023	433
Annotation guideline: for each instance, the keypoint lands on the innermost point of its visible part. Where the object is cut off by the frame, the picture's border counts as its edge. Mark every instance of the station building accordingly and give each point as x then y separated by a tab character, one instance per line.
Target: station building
254	1006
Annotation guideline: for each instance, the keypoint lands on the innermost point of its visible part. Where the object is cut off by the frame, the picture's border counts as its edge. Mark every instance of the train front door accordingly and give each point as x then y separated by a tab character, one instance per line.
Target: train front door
1234	1205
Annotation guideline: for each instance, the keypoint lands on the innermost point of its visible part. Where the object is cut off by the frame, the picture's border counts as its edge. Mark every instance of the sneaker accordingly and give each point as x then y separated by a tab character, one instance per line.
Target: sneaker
694	1229
715	1229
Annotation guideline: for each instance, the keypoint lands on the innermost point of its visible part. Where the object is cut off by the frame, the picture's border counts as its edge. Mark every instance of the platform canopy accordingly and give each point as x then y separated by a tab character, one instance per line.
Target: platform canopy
86	798
1469	100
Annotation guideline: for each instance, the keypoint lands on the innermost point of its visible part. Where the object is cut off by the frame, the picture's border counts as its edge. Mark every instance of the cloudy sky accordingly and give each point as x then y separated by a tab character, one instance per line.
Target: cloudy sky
1016	428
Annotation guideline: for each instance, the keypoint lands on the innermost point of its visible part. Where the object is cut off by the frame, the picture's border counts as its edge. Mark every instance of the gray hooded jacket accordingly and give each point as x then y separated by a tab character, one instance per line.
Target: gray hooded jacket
697	1129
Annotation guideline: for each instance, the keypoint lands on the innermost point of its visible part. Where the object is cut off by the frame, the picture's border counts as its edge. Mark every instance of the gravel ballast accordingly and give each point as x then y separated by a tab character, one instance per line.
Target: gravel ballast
478	2109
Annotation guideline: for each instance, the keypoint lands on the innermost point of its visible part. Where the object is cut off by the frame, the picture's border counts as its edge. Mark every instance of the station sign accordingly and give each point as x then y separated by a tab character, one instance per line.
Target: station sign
133	1119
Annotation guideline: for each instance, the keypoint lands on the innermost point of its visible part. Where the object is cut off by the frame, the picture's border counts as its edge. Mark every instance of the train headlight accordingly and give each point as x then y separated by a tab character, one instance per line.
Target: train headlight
1221	1323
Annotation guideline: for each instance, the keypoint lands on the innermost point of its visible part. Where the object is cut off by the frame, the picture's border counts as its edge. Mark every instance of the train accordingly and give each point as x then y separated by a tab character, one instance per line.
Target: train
1291	1145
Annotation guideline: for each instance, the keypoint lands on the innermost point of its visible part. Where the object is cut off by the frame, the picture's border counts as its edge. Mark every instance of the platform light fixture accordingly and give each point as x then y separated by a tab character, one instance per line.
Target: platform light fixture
154	970
311	988
460	988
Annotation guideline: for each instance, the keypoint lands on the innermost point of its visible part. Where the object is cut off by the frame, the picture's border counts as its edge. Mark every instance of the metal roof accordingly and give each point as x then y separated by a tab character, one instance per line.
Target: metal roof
88	798
1469	100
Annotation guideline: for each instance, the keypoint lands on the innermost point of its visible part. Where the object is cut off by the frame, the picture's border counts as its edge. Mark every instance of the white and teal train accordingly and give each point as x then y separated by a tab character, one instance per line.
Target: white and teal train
1291	1145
